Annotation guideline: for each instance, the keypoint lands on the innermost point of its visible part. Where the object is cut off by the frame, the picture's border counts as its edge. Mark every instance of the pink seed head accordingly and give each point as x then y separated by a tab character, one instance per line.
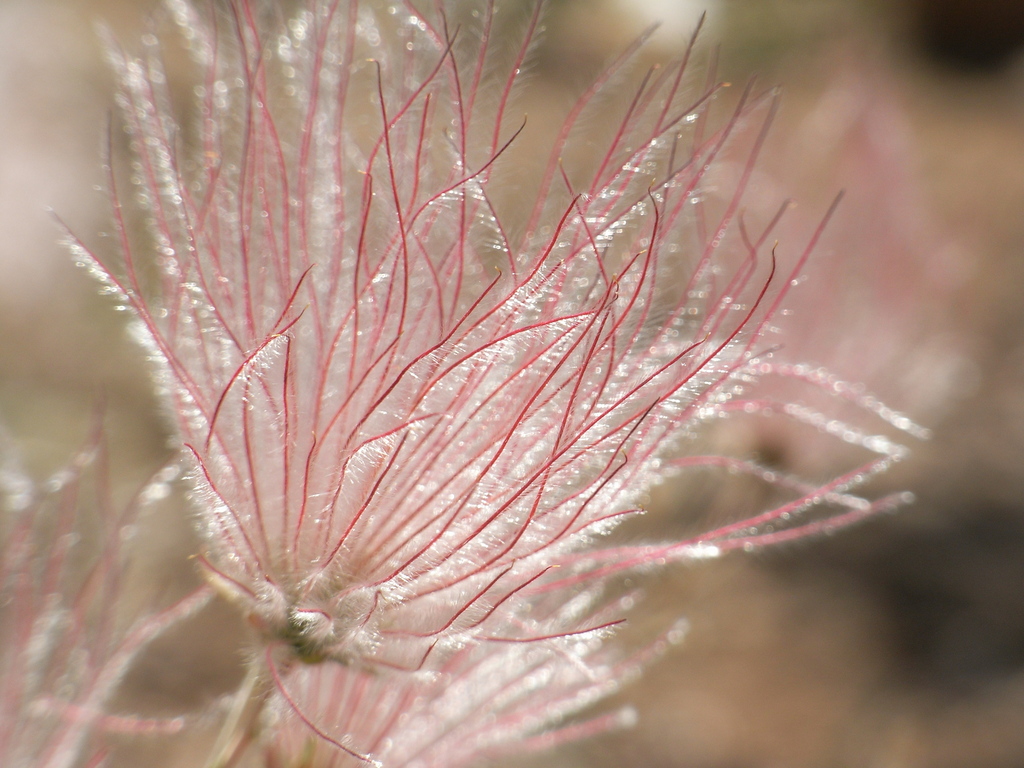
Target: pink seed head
412	406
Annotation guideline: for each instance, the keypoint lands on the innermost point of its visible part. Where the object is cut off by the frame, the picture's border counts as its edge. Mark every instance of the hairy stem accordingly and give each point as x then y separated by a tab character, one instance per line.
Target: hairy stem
241	724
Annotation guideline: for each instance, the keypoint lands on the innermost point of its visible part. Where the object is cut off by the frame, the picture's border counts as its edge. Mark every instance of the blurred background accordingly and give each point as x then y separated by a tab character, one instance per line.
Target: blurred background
896	644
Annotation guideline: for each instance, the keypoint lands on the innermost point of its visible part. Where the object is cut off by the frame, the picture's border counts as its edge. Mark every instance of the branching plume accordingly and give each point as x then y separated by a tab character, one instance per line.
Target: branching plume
411	404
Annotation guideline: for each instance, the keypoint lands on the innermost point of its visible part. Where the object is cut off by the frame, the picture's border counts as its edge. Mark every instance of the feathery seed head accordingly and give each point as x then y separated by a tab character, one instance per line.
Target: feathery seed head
412	405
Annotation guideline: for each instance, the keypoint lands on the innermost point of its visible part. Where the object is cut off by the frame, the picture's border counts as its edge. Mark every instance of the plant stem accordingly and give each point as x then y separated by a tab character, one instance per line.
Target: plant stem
241	723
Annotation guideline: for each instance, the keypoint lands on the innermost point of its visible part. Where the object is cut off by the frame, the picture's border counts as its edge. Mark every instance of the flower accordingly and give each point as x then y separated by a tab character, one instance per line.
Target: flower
411	407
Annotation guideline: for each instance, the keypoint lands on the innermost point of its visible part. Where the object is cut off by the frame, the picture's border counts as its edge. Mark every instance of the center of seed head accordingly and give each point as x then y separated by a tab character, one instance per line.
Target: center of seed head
310	632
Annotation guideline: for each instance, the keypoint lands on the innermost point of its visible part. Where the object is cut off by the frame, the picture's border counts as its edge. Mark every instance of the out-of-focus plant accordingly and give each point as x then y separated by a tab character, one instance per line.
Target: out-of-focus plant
895	268
66	638
868	321
411	405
